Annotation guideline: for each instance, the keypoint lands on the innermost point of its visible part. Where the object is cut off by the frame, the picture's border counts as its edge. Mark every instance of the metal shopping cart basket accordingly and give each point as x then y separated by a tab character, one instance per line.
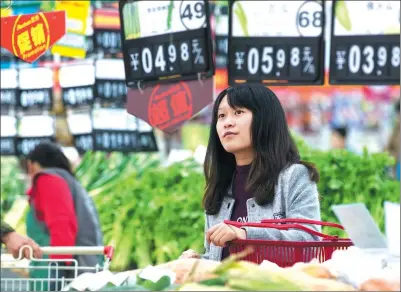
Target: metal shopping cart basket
287	253
55	274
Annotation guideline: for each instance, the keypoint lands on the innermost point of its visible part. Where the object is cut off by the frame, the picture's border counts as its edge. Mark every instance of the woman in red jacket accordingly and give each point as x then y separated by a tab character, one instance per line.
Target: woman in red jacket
61	213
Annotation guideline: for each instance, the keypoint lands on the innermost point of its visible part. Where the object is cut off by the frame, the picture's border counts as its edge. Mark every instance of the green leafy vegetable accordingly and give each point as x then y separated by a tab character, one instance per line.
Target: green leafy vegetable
342	15
240	13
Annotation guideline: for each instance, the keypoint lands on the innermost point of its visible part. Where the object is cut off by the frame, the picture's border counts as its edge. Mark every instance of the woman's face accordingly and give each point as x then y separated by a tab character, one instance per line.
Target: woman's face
234	128
33	168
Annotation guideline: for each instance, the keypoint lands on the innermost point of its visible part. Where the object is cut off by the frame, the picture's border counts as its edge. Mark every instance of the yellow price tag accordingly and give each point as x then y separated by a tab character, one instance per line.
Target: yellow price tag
73	43
77	15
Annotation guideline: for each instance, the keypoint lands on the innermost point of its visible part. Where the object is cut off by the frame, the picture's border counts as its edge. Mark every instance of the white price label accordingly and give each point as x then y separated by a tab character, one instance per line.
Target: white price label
8	126
77	75
36	126
192	14
277	18
35	78
357	18
9	79
113	119
79	123
110	69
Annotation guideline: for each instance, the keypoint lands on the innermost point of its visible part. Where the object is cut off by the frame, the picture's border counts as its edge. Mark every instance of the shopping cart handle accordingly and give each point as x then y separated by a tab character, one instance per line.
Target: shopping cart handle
107	251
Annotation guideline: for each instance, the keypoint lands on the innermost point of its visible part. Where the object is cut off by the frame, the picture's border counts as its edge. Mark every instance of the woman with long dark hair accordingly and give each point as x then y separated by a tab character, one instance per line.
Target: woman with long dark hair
253	171
61	212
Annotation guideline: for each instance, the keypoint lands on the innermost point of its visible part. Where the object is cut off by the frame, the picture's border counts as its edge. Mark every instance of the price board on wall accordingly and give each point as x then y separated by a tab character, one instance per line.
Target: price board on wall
106	25
116	130
110	87
80	126
35	88
365	43
8	135
8	88
32	130
77	84
165	41
276	42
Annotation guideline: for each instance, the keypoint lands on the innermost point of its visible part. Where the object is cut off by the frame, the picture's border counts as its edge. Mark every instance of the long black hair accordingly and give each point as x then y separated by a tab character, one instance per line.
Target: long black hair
49	154
272	143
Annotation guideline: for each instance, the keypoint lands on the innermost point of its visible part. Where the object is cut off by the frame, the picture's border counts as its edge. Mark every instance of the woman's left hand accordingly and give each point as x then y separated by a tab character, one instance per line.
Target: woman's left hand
222	233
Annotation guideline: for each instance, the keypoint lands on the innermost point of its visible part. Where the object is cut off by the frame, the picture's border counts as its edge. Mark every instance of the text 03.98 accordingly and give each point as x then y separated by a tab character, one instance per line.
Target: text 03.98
367	60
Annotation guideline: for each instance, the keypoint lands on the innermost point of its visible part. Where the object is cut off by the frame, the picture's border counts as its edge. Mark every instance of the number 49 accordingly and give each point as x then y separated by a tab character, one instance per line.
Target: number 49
198	9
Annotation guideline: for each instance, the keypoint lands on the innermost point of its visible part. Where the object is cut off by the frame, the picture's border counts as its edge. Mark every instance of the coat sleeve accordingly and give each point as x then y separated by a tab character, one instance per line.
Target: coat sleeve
5	229
302	202
206	255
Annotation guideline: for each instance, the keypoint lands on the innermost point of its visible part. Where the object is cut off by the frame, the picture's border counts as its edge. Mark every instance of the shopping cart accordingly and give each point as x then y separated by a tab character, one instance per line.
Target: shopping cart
55	273
287	253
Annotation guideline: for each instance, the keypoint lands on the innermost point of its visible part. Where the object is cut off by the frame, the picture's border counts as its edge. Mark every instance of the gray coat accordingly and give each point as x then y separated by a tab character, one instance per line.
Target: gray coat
296	196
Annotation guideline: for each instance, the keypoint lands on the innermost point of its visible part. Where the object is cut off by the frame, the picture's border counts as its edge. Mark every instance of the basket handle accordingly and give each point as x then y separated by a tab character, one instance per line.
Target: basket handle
307	221
281	227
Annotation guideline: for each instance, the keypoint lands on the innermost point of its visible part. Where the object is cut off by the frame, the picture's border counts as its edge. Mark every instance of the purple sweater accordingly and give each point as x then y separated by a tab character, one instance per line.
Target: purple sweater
240	213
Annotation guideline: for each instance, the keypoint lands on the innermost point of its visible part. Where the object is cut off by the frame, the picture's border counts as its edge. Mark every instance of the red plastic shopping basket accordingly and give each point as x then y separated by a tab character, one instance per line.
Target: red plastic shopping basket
287	253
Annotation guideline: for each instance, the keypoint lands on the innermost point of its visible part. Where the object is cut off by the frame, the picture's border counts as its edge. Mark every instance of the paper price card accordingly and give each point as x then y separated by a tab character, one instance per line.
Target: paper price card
73	45
77	15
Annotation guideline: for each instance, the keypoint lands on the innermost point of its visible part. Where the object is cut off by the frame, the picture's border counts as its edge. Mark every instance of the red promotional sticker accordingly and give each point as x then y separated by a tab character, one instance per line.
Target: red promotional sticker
28	36
170	106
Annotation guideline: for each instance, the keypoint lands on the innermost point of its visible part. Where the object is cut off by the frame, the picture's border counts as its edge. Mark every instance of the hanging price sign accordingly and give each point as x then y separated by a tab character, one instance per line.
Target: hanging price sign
276	42
365	43
165	41
28	36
